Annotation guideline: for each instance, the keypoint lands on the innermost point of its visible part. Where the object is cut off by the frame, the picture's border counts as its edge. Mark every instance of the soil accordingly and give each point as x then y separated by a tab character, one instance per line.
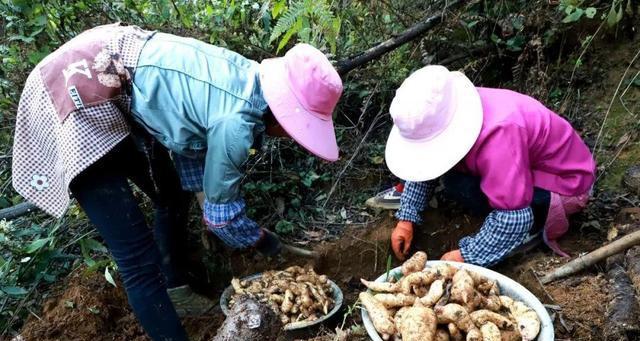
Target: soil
88	308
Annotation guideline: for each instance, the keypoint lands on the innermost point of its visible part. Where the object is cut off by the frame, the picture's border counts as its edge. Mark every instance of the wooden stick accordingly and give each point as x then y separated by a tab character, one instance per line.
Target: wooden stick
17	210
413	32
593	257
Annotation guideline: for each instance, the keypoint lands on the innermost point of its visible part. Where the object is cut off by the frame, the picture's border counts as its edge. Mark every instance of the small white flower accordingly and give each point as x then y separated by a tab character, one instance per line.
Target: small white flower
6	226
25	259
39	182
109	80
102	60
255	6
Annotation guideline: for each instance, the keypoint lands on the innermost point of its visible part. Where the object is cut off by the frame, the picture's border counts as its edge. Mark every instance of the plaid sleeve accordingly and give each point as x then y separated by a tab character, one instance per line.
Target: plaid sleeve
190	171
229	222
501	233
414	199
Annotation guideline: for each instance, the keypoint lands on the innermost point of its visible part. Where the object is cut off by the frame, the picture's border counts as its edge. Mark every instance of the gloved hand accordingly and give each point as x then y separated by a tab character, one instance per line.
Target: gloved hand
401	238
453	256
269	244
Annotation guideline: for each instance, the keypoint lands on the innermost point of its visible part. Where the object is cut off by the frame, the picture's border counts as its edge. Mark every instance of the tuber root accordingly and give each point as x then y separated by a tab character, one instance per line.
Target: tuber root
490	332
378	313
395	300
454	332
462	290
474	335
435	293
526	318
416	278
481	317
418	324
380	287
455	313
415	263
445	270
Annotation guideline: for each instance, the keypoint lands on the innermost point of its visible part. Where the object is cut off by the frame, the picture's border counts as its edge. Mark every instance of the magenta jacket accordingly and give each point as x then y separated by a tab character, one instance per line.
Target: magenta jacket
523	145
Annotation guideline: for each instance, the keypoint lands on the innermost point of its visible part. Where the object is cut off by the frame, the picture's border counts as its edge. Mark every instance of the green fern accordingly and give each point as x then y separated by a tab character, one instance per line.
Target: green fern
310	20
289	18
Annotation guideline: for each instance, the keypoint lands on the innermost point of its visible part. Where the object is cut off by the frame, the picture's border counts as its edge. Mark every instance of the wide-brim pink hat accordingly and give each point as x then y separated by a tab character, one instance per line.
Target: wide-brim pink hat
437	117
302	89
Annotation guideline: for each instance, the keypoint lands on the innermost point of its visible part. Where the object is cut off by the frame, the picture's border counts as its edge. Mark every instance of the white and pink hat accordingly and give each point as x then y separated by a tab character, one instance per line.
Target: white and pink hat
437	117
302	89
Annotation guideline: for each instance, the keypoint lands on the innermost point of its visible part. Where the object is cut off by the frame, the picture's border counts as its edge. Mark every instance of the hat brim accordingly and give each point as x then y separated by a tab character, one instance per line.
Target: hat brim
413	160
314	134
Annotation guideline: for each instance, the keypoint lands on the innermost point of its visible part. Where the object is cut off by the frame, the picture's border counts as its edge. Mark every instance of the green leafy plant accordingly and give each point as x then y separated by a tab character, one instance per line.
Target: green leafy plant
574	11
284	227
311	20
616	12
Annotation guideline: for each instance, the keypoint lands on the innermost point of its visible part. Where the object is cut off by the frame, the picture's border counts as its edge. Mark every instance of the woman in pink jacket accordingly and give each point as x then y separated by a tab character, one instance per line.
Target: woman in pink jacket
498	152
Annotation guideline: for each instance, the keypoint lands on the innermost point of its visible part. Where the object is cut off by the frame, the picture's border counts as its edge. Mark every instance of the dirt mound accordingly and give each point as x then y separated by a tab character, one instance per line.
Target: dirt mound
583	301
89	308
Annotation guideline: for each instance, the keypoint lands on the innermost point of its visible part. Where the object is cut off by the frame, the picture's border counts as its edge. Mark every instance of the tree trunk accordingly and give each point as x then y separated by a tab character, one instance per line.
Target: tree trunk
623	312
632	261
413	32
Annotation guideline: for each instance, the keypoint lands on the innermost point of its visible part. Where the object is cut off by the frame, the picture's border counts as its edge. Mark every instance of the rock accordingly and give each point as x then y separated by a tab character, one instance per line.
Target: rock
631	179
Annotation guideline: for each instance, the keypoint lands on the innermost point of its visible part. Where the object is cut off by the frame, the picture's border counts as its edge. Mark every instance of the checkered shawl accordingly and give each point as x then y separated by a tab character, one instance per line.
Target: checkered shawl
49	153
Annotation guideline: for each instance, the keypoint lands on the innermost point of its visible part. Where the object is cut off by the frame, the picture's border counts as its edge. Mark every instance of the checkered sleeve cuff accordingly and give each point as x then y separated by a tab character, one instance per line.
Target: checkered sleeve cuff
229	222
190	171
501	233
413	200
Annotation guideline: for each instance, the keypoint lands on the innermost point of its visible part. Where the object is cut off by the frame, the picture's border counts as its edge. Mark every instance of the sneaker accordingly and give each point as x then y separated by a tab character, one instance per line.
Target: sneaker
388	199
187	302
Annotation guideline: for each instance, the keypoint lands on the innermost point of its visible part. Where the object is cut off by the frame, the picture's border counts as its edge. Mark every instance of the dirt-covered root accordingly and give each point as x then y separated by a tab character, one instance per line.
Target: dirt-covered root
623	311
249	320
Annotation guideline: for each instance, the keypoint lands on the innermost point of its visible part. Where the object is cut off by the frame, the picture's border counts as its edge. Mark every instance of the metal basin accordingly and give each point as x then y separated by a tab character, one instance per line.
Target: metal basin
508	287
337	298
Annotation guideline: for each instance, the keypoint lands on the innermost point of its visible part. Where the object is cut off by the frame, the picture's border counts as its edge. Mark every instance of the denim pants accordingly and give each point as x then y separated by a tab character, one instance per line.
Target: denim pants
465	190
148	260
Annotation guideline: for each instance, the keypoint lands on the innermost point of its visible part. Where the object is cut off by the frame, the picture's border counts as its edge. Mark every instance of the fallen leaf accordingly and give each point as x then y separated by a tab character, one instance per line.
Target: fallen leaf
343	213
377	160
624	139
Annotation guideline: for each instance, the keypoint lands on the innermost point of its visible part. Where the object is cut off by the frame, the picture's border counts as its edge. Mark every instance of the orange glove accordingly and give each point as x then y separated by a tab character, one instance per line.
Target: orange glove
401	238
453	256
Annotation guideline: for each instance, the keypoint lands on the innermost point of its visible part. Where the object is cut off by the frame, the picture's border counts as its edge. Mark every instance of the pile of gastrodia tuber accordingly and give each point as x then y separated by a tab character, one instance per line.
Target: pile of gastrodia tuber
297	295
442	303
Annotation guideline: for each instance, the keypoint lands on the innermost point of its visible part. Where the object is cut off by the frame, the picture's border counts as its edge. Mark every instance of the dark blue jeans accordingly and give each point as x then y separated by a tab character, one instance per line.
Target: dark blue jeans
465	190
149	261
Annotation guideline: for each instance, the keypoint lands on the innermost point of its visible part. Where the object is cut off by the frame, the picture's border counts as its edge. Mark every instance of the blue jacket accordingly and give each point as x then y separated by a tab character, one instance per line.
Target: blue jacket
205	104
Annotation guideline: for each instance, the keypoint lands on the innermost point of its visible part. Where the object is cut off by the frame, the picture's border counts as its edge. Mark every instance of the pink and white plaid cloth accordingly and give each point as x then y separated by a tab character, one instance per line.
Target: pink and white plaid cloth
557	223
52	146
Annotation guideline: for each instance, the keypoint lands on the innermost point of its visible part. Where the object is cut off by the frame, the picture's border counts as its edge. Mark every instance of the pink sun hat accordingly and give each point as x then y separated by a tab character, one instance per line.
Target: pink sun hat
437	117
302	89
